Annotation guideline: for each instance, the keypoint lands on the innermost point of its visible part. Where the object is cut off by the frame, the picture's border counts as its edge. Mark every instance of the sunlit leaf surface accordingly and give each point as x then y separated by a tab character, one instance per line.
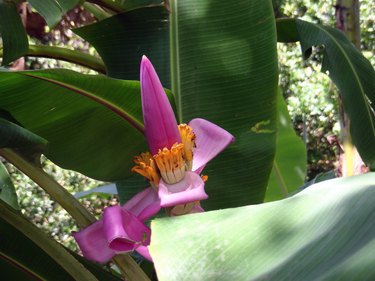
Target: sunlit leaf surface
289	167
325	232
93	124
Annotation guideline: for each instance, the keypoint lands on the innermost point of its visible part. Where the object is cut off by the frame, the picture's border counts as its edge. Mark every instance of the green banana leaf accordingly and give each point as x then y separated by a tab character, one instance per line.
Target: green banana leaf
349	70
290	164
224	69
14	37
53	10
325	232
93	124
133	34
7	191
14	136
27	253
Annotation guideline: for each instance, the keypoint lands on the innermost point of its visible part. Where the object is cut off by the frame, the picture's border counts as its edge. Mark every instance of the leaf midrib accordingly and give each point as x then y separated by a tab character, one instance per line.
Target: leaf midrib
111	106
175	61
21	266
280	179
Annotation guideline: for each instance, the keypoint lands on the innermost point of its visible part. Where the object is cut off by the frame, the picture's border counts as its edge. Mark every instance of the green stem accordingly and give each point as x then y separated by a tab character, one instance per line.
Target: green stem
53	249
128	267
174	55
59	53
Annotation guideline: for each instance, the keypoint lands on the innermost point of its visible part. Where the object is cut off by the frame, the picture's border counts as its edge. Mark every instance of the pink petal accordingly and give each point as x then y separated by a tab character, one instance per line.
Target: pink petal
143	250
210	141
93	243
144	204
190	189
159	120
196	209
123	230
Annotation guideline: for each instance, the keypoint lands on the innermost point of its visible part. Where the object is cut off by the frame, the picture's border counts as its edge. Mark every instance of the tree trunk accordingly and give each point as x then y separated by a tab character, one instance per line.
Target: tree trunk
347	20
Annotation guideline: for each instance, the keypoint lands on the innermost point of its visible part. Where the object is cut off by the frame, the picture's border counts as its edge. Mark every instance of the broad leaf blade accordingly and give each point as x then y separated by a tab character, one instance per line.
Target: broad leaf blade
132	34
289	166
15	43
349	70
53	10
67	5
224	69
14	136
7	191
50	10
325	232
93	124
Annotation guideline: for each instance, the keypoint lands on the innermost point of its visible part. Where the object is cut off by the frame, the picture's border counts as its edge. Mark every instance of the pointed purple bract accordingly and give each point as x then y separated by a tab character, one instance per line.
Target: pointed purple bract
160	122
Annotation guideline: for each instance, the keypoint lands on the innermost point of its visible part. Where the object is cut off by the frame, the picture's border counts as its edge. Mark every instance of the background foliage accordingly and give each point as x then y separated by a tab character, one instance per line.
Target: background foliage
312	103
312	99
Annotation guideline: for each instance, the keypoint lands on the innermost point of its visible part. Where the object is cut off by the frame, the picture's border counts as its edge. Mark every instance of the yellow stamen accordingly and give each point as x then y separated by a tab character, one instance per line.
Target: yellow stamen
188	139
204	178
171	163
147	168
